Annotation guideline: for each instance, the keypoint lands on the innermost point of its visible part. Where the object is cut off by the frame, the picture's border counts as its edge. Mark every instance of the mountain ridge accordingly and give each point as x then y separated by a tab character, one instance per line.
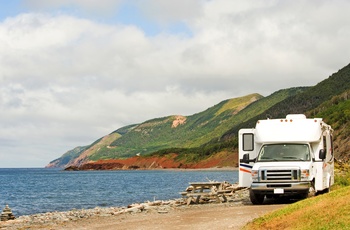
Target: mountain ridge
142	132
204	135
192	132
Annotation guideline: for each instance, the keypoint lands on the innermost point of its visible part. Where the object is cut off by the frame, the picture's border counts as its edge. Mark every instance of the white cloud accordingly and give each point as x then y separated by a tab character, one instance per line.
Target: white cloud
66	81
171	10
98	7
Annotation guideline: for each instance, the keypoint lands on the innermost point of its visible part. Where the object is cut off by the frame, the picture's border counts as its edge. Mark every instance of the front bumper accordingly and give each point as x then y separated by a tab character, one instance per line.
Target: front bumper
286	188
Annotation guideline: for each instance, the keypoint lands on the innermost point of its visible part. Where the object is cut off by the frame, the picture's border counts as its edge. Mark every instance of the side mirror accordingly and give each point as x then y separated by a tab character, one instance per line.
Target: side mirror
245	158
322	154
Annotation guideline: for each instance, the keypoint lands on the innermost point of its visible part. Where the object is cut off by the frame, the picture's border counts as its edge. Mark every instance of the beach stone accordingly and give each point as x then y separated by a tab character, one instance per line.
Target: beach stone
162	211
133	210
151	209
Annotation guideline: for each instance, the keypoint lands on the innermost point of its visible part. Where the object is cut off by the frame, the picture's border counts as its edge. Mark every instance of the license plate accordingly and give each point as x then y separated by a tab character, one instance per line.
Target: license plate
278	191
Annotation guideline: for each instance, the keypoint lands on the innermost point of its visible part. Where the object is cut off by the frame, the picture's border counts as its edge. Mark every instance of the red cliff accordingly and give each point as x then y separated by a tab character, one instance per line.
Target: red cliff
222	159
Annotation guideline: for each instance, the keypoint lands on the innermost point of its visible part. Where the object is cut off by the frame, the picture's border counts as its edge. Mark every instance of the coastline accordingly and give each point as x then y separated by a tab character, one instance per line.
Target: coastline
170	215
190	169
228	168
61	220
168	161
47	190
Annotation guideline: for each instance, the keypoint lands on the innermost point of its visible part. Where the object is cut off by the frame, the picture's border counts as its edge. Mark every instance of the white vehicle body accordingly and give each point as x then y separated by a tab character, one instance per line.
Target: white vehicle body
289	156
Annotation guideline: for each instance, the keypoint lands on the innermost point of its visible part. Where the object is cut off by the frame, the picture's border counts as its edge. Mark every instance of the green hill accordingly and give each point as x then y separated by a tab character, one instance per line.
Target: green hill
67	157
205	133
336	112
316	101
184	132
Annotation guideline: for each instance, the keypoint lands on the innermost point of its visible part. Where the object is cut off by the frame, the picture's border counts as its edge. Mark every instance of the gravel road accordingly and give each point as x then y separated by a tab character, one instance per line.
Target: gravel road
200	217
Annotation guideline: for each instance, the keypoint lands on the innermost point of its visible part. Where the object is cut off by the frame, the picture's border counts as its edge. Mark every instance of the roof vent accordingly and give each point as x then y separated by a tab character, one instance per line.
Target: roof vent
295	116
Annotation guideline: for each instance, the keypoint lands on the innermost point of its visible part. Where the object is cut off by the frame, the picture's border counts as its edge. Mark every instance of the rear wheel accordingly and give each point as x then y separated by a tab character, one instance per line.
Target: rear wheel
256	198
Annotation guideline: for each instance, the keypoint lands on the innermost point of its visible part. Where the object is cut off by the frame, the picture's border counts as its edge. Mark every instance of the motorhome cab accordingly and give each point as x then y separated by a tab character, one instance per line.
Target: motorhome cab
286	157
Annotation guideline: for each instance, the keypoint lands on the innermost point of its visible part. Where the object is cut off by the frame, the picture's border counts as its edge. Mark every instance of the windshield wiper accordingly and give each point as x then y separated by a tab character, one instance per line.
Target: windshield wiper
296	158
268	159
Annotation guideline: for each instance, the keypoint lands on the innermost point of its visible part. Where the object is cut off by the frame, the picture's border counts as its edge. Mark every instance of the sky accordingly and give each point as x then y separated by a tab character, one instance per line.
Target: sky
72	71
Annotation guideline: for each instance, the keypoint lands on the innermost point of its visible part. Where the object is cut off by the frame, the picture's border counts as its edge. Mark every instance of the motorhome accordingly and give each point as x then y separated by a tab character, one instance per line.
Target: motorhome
291	156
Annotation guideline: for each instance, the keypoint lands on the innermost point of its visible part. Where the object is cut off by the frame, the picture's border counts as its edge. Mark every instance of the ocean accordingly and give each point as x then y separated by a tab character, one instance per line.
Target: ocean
39	190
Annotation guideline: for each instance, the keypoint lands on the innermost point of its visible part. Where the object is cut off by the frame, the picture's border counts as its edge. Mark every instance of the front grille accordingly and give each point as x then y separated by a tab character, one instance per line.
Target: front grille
279	185
275	175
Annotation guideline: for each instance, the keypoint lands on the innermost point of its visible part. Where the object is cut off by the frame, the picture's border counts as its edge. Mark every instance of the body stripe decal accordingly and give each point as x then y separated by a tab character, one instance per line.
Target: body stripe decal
245	165
244	170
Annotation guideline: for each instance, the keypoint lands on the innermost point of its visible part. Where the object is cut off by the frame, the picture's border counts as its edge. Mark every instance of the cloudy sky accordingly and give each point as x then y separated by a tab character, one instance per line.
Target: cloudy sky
72	71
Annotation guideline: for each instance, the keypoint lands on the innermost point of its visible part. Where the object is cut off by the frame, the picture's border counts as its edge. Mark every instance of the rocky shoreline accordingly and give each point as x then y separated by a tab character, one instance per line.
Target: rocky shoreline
52	219
77	214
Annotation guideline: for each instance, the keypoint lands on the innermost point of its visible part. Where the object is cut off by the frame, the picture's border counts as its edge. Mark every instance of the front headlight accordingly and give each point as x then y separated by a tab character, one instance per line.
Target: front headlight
255	176
304	174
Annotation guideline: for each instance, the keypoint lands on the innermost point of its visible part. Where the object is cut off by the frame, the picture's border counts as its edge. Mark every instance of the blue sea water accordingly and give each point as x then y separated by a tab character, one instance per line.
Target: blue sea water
38	190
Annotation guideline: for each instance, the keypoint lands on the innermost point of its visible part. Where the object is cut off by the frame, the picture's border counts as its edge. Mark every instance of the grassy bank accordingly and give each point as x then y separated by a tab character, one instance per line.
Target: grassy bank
327	211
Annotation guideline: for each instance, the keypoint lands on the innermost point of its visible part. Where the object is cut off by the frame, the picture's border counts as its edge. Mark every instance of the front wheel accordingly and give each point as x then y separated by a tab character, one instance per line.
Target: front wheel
256	198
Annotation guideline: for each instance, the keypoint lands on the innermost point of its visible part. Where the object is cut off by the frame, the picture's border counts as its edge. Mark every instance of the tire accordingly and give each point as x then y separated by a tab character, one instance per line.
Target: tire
304	195
256	198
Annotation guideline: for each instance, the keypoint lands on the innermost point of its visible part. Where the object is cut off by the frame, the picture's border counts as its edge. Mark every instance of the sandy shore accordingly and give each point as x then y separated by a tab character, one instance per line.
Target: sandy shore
174	214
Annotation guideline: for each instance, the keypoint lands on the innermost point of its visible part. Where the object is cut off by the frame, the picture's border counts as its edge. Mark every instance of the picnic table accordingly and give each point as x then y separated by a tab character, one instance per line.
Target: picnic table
196	190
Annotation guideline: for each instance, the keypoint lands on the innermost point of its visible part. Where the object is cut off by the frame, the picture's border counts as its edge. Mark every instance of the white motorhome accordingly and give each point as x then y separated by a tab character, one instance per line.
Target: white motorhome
286	157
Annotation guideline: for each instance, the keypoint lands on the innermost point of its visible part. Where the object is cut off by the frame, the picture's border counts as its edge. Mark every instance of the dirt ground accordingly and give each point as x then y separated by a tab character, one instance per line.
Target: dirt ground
213	216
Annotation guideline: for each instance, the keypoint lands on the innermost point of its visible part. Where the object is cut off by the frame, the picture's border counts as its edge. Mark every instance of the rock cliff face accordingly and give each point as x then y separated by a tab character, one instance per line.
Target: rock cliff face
222	159
66	158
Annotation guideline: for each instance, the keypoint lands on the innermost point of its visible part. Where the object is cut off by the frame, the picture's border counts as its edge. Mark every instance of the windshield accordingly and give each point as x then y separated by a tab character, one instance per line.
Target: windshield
284	152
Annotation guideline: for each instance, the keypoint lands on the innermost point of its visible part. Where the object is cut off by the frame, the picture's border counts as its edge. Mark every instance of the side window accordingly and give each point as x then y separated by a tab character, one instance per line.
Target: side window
248	142
325	144
331	148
